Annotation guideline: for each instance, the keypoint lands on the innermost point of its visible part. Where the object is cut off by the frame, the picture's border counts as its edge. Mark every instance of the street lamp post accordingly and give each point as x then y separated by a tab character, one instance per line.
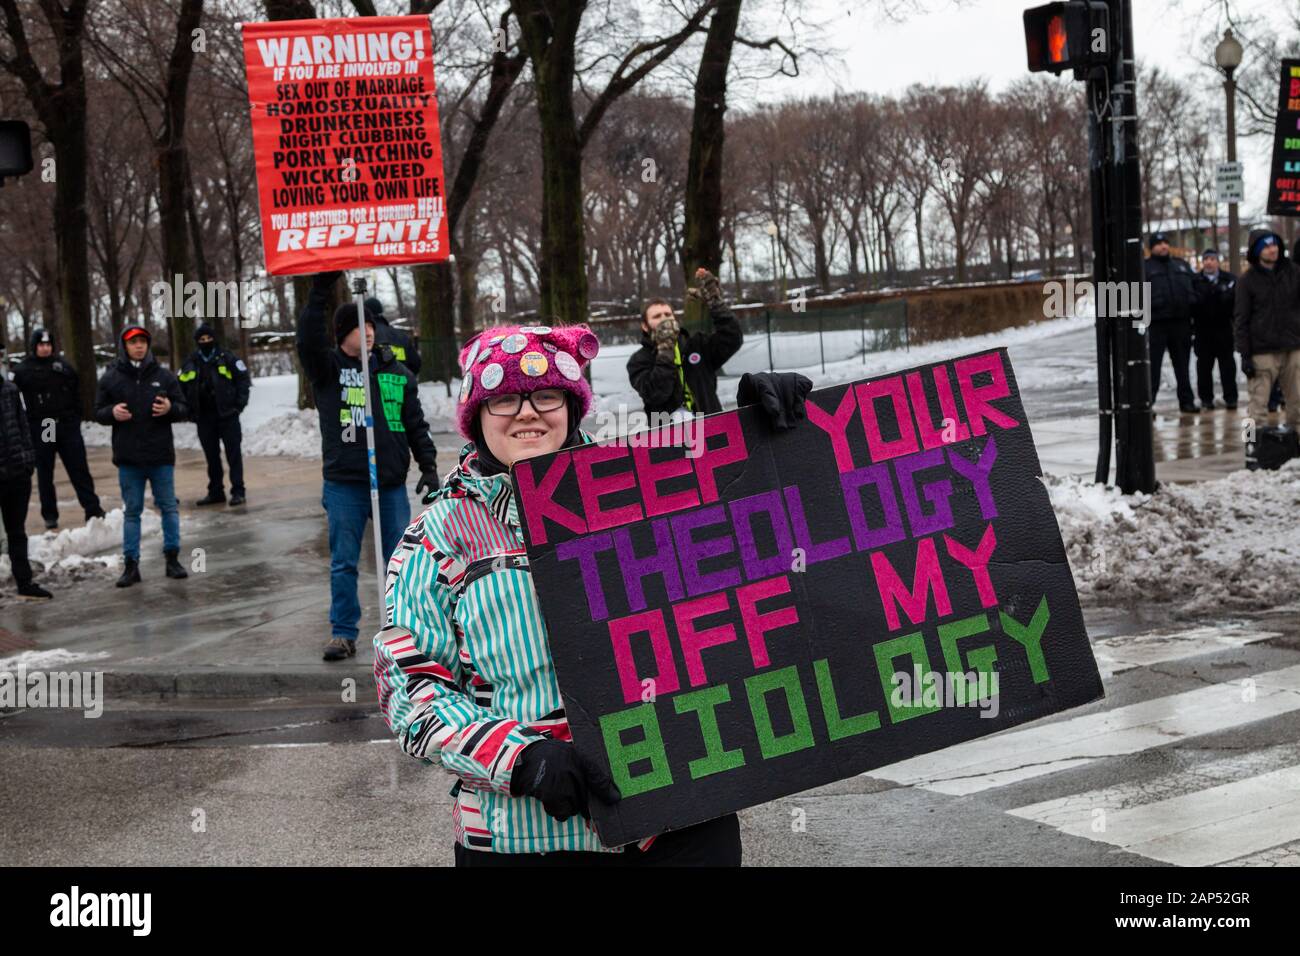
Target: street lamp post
1227	56
771	235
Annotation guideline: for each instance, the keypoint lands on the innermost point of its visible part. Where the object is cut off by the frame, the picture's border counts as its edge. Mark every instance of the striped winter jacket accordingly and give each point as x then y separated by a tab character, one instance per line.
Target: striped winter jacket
463	668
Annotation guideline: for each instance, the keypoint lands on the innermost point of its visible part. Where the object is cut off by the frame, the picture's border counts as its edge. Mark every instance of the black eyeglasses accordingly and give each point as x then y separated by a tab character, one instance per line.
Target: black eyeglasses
542	400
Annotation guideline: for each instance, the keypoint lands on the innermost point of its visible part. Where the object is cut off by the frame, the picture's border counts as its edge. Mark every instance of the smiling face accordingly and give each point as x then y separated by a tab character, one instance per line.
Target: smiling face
525	434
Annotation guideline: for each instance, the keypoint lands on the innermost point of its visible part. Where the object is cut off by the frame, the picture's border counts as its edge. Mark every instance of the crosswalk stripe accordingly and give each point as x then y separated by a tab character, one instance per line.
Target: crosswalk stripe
1077	812
1045	748
1200	828
1118	654
1211	826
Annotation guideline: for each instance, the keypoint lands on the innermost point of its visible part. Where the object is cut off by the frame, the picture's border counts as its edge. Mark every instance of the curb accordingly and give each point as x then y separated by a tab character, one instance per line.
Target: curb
220	682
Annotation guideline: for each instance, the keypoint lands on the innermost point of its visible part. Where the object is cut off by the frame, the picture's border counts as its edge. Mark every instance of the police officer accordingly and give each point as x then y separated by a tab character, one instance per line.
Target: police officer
1216	295
216	384
52	394
1173	297
405	347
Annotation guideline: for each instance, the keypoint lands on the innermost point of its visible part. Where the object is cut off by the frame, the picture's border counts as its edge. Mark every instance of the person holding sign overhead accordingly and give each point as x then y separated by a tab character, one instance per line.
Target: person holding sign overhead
675	370
400	433
463	666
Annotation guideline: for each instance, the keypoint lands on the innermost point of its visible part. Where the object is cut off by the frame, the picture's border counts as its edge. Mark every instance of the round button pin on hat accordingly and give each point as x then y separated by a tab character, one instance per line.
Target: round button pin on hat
491	375
514	343
568	366
534	364
472	355
466	386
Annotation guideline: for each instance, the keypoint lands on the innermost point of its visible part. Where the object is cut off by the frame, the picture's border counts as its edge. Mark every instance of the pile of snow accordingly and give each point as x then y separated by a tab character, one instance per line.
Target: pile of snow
91	550
1231	543
56	658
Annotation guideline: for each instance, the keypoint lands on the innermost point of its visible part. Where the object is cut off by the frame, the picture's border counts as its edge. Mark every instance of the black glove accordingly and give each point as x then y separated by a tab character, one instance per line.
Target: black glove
1248	366
429	482
780	393
564	780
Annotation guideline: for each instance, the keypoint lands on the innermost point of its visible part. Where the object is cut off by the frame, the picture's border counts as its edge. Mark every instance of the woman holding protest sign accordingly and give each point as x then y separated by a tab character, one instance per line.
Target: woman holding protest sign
463	667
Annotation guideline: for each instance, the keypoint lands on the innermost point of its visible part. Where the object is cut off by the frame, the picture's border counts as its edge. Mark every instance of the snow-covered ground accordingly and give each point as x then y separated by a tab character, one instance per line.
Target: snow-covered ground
1208	547
274	425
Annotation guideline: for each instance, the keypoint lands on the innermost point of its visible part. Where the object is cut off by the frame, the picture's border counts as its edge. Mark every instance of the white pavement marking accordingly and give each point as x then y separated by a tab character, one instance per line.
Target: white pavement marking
1201	828
1118	654
1045	748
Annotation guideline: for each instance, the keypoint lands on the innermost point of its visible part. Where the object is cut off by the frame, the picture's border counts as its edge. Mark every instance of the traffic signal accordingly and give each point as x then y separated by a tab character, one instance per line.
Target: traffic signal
15	149
1067	36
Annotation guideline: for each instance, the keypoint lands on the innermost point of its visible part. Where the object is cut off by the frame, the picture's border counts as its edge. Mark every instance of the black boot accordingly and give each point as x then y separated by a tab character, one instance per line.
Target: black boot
34	592
236	498
130	573
212	498
95	513
174	569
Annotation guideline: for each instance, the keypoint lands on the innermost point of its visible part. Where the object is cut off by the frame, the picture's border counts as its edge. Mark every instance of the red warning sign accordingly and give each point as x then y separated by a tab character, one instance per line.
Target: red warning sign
345	137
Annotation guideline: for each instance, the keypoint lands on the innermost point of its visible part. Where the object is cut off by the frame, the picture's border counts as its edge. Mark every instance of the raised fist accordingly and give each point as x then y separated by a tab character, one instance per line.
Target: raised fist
707	288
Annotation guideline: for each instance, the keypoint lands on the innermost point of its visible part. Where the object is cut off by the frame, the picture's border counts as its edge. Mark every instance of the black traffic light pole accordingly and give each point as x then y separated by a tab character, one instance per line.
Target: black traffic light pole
1124	357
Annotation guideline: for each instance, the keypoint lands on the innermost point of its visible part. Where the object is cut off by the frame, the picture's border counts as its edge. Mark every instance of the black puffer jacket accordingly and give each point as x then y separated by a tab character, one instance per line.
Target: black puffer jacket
17	458
215	388
143	440
50	385
1268	302
406	347
703	354
1173	294
1216	300
400	428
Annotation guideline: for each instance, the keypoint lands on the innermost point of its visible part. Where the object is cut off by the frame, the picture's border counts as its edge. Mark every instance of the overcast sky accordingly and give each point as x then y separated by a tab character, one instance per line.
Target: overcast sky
954	41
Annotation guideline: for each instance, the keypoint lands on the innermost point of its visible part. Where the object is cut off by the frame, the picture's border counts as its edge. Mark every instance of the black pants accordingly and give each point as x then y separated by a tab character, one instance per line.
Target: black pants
715	843
213	433
1214	347
1176	338
63	438
14	495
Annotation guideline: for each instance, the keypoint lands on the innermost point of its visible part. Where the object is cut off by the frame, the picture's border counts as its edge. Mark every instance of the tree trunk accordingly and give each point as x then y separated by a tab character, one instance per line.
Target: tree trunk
436	314
173	178
564	252
702	243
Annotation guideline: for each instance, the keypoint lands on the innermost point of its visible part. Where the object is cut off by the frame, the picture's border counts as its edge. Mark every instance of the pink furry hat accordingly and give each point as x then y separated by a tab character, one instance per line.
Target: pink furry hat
523	358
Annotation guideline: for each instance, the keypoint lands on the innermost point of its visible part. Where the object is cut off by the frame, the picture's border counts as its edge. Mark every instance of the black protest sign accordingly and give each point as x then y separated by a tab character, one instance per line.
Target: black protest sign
736	614
1284	180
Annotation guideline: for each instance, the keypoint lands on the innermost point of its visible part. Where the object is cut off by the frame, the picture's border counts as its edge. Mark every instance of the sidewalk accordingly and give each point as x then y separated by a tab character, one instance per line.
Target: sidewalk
1187	447
251	624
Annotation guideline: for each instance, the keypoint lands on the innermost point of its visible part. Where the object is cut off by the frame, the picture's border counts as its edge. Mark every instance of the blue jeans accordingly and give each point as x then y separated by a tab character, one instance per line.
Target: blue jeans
131	480
347	505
